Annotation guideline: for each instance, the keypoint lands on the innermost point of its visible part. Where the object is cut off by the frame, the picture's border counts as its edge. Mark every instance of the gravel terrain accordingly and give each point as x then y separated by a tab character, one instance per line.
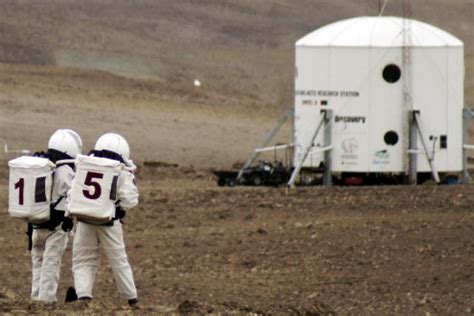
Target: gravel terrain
198	248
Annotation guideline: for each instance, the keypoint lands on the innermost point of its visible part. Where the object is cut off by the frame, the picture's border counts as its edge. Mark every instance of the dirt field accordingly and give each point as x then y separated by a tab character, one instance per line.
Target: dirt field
198	248
161	120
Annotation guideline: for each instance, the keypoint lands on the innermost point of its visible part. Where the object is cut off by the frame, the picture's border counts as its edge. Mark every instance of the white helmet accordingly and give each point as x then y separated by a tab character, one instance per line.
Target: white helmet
66	141
115	143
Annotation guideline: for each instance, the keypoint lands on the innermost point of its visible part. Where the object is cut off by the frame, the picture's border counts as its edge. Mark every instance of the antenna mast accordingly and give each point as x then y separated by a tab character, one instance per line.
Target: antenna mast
382	5
406	57
409	132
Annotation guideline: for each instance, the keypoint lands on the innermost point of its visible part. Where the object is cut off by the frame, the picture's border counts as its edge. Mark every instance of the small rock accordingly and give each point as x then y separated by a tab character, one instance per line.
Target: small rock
262	231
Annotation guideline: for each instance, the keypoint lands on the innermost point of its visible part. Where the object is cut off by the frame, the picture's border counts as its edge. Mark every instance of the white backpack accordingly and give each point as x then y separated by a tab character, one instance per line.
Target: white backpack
94	189
30	185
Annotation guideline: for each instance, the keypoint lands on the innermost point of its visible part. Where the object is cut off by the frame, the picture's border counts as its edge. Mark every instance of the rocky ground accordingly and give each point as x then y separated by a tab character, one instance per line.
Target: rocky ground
197	248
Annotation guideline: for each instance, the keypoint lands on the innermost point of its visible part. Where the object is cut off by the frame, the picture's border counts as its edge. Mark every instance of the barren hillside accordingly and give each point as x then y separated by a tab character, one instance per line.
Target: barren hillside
151	51
241	46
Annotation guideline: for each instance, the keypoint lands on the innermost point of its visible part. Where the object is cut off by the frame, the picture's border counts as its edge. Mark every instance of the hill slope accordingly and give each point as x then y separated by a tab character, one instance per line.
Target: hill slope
241	46
242	51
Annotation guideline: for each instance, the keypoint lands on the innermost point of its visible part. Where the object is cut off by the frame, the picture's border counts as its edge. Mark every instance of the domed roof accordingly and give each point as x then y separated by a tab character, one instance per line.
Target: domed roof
379	32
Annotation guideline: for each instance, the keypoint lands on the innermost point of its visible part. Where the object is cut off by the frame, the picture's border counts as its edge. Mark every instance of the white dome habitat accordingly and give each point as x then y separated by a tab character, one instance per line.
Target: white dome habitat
378	32
371	72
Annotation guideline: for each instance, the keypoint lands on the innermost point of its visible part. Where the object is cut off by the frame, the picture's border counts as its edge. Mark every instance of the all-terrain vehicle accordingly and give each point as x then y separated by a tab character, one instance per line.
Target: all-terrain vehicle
263	173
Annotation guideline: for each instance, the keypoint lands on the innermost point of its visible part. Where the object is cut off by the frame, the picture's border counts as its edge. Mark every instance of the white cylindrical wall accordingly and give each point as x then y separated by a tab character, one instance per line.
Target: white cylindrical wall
349	80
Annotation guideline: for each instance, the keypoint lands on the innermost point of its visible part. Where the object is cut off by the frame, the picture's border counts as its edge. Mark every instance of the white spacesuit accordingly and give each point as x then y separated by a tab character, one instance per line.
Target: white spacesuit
91	236
49	240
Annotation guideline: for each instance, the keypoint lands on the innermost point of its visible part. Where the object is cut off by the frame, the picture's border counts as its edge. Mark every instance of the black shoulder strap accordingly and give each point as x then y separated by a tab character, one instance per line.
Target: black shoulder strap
57	202
29	233
69	164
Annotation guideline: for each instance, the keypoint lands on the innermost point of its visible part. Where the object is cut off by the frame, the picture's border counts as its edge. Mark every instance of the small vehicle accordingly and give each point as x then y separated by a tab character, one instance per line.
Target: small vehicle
264	173
225	177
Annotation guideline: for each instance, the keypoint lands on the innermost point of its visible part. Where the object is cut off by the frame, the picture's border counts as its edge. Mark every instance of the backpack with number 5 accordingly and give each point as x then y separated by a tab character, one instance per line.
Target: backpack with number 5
30	187
94	189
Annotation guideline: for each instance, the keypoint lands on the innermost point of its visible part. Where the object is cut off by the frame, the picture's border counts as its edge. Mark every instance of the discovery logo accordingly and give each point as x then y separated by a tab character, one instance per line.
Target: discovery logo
350	119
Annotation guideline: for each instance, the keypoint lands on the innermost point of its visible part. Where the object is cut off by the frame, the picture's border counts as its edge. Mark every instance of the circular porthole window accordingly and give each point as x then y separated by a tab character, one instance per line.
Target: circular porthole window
391	73
391	138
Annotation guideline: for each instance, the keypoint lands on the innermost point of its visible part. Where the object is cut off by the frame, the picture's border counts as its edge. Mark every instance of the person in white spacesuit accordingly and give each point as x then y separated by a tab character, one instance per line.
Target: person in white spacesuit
90	236
49	240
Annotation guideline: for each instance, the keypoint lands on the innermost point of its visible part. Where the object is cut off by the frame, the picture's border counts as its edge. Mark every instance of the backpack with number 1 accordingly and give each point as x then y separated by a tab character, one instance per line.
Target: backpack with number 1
30	187
94	189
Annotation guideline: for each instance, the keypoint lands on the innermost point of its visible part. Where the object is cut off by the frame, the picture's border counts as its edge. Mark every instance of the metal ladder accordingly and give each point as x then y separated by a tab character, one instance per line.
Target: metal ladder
327	177
414	151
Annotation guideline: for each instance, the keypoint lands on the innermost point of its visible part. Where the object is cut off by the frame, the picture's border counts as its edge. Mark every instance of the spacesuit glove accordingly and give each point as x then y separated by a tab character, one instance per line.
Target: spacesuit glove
67	224
119	212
